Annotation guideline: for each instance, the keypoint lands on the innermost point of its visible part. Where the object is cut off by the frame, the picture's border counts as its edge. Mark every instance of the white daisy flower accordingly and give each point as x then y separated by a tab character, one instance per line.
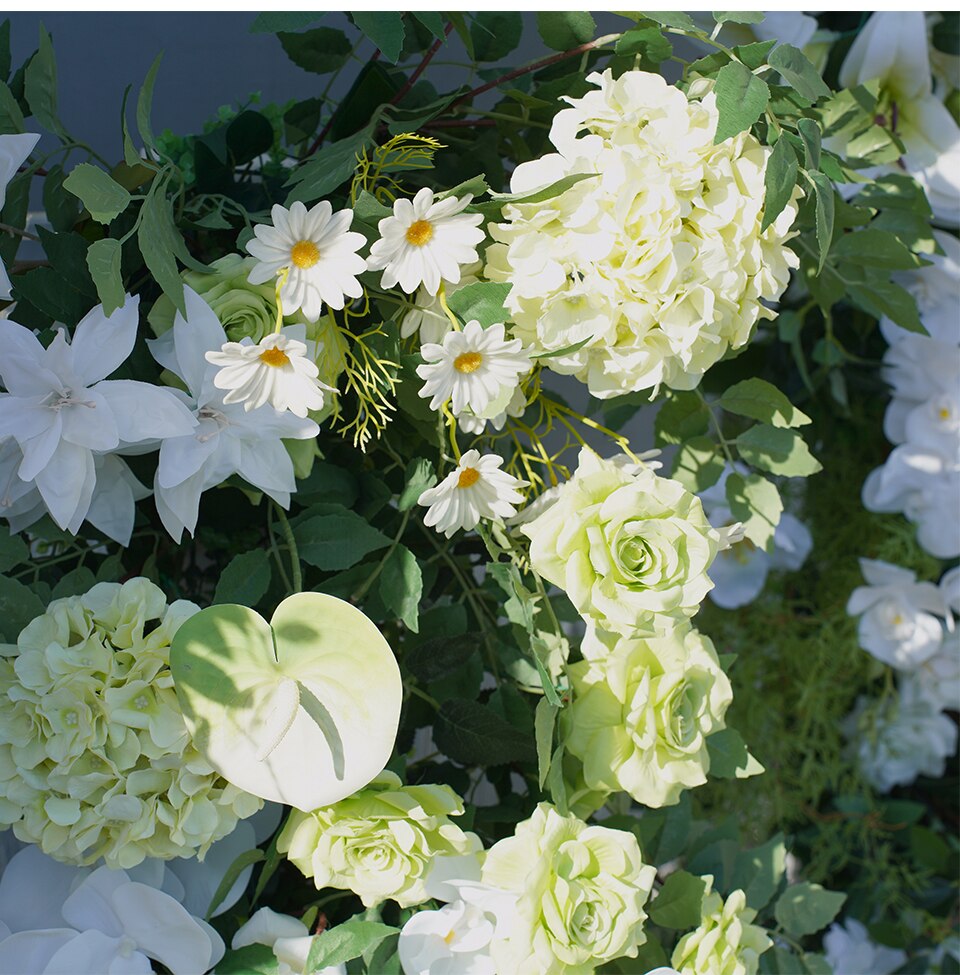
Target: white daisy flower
275	370
320	251
425	242
479	368
476	489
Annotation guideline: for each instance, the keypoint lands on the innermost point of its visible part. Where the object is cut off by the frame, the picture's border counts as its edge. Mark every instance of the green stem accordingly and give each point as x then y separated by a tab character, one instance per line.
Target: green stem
718	428
365	588
292	548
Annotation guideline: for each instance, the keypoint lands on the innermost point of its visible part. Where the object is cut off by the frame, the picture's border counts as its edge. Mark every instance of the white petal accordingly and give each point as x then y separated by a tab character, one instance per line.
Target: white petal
100	344
29	952
145	412
265	926
33	889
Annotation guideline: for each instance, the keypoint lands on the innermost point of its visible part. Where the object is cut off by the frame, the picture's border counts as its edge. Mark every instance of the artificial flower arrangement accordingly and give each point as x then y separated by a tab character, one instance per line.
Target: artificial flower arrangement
405	666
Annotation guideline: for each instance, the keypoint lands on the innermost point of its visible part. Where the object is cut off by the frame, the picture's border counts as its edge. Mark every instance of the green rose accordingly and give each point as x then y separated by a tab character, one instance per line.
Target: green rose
378	842
581	893
642	711
725	943
629	548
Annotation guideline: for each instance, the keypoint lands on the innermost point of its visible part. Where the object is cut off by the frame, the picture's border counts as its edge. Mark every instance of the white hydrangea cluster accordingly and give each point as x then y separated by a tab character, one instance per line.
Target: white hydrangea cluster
649	268
95	758
921	477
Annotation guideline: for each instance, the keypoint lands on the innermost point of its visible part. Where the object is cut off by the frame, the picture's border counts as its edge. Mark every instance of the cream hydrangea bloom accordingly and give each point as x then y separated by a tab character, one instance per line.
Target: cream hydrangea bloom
653	266
378	842
581	894
725	943
95	758
642	713
631	549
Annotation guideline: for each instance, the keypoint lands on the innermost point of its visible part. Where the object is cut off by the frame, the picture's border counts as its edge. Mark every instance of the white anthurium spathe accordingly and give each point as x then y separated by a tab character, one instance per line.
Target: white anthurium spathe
89	921
893	48
228	439
287	936
303	710
900	618
14	150
63	412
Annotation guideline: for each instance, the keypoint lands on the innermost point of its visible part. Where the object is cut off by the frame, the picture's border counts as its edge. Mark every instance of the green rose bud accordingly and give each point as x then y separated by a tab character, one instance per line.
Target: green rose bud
581	894
725	943
642	710
378	842
629	548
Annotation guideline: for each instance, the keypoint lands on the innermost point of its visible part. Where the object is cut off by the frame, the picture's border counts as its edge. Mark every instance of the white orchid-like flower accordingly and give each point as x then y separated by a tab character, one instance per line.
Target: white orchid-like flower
228	439
14	150
63	412
287	936
849	948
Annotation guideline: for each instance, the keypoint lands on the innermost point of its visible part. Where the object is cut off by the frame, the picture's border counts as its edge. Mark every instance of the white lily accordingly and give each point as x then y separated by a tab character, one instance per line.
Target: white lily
14	150
62	411
228	439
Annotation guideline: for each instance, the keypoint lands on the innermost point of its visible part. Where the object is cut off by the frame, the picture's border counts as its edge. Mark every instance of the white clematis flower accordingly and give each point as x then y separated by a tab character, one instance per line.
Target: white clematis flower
229	438
476	489
62	411
275	370
14	150
287	936
478	368
849	948
425	242
897	621
318	249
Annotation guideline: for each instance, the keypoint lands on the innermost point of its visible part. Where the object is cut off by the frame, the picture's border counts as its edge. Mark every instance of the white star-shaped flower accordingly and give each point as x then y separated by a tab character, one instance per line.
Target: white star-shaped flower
425	242
478	368
476	489
14	150
320	251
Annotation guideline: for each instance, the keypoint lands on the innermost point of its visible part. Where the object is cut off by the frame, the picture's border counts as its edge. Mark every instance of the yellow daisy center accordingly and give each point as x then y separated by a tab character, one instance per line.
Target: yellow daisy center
304	254
419	233
468	477
943	413
274	357
468	362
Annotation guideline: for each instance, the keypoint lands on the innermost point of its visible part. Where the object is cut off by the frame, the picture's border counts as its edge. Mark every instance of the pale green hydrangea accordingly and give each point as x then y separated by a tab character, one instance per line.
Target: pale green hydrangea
641	713
631	549
581	894
95	758
725	943
378	842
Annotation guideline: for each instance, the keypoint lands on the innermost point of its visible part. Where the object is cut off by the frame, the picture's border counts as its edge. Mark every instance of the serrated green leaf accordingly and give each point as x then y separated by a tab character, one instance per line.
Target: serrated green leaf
345	942
104	198
884	297
779	181
432	20
738	17
145	104
678	905
729	758
495	34
473	734
672	18
419	476
329	167
544	721
40	86
741	100
806	908
777	450
797	71
385	28
761	400
103	262
482	301
755	502
698	464
337	540
755	54
245	579
159	242
564	30
872	247
401	586
824	192
810	134
648	42
319	51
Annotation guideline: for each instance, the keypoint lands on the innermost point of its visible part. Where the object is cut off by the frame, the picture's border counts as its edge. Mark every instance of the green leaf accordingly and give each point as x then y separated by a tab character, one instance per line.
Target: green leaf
738	17
439	657
756	502
797	71
741	100
385	29
74	582
805	908
648	42
824	192
758	872
13	551
777	450
761	400
103	262
729	758
18	606
275	22
432	20
61	206
672	18
566	29
246	859
330	166
811	136
345	942
538	196
245	579
40	86
320	51
5	57
401	586
544	721
946	33
130	155
104	198
419	476
68	255
473	734
698	464
337	541
145	105
679	902
482	301
249	960
871	247
495	34
755	54
159	242
885	297
682	417
779	181
11	118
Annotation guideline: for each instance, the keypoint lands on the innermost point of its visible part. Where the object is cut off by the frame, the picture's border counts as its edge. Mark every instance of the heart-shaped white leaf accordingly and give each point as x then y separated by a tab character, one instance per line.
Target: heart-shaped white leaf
302	710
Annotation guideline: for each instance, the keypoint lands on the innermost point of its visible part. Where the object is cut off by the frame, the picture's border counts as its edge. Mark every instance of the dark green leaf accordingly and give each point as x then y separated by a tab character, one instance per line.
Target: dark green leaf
738	17
648	42
755	502
385	29
103	261
683	416
678	905
495	34
741	99
777	450
729	758
245	579
805	908
432	21
18	606
49	291
698	464
321	50
672	18
779	181
5	61
401	586
758	872
61	206
439	657
104	198
482	302
761	400
539	196
946	33
68	255
159	242
884	297
332	165
300	121
337	541
419	476
824	192
544	722
74	582
250	960
810	134
274	22
145	105
797	71
13	550
11	118
755	54
871	247
40	86
473	734
345	942
565	29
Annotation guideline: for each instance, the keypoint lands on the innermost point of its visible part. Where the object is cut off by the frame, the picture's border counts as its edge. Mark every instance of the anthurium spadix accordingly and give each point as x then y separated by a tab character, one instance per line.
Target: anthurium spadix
302	710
